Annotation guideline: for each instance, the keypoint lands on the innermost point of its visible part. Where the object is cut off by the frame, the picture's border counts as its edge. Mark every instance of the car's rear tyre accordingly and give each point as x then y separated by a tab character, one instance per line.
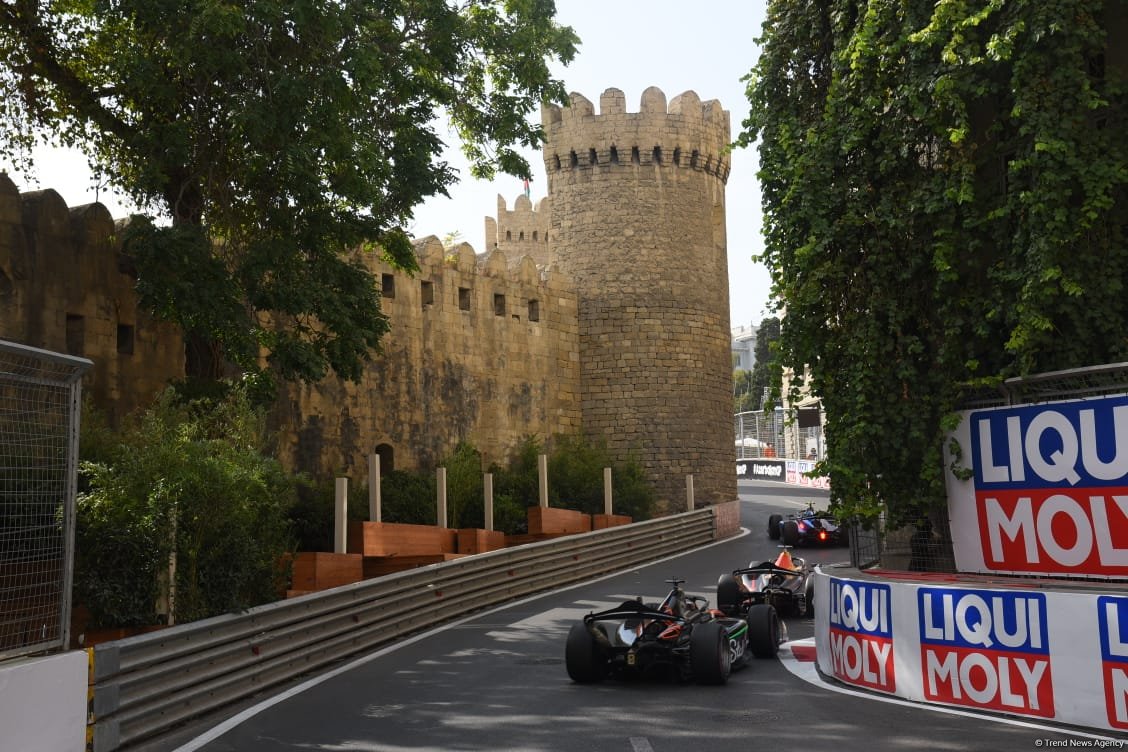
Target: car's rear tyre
583	656
763	630
790	533
709	657
773	526
809	600
728	594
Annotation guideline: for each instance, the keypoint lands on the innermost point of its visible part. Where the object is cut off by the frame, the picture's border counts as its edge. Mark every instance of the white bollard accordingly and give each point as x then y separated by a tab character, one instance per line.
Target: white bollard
441	501
542	479
607	491
487	499
689	492
374	511
341	517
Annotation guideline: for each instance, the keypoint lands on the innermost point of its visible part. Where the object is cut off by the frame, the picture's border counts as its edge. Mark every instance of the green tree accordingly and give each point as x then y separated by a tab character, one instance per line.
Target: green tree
944	191
191	478
276	138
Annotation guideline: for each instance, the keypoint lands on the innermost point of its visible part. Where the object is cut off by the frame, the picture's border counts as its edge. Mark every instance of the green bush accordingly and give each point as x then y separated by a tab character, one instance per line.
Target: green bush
190	477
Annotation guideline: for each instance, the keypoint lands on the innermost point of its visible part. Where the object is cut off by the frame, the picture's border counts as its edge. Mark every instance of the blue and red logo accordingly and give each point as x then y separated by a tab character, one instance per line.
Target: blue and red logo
1051	487
986	649
861	633
1112	618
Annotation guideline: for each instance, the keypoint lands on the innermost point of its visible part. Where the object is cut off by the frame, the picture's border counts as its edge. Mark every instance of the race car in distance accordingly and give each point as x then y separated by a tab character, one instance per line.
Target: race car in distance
784	584
807	527
679	637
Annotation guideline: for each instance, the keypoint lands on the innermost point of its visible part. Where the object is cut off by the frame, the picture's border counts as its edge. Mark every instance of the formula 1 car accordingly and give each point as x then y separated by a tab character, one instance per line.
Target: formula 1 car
785	584
809	526
680	636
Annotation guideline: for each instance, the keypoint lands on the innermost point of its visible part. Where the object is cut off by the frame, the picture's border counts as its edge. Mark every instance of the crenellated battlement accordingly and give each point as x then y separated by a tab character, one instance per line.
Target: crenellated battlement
523	231
685	134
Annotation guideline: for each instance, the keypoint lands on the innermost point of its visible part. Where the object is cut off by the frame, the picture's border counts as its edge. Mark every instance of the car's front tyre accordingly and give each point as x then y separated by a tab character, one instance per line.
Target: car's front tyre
583	657
728	594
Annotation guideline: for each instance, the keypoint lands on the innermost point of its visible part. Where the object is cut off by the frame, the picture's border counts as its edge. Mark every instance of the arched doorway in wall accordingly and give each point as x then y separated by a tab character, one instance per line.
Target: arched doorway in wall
387	457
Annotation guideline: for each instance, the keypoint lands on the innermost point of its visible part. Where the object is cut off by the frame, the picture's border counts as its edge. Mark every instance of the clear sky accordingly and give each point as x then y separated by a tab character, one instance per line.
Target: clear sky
706	46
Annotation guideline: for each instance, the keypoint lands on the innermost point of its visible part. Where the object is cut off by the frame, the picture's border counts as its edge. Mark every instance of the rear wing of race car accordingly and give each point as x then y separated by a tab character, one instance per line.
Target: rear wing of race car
633	610
767	568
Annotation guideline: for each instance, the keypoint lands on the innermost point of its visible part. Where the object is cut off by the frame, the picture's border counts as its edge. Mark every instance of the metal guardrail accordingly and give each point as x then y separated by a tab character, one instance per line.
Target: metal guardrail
147	685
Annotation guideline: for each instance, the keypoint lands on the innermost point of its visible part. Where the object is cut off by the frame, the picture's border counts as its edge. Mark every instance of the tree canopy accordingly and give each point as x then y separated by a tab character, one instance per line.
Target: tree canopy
275	137
944	192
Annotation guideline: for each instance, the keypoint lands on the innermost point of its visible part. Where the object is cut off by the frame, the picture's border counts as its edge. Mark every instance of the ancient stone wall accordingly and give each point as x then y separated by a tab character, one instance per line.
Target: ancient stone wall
638	219
481	350
65	287
521	232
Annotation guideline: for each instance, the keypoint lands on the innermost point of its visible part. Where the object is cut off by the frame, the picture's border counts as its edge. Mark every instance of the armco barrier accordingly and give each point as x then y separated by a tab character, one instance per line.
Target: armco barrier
146	685
1037	650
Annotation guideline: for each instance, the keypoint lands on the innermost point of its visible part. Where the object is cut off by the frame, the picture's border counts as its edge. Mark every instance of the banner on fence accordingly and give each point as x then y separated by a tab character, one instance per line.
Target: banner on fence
1047	489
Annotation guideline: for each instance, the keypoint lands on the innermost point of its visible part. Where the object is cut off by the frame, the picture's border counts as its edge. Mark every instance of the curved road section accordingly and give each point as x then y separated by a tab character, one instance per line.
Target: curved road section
496	681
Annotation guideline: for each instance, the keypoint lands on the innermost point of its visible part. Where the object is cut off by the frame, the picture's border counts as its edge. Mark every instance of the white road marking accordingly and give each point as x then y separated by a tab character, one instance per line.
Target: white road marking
640	744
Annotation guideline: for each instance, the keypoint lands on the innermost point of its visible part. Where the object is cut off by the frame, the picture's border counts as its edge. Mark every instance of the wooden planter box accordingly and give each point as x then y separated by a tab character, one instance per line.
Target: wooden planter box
600	521
318	570
552	521
477	541
398	539
378	566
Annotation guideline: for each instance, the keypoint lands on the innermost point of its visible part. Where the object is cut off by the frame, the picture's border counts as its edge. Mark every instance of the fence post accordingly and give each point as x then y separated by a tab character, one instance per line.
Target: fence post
689	492
374	511
542	479
487	499
441	501
607	491
341	517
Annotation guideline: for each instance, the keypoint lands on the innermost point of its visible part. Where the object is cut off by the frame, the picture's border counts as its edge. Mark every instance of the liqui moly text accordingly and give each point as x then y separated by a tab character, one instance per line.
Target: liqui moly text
986	649
861	633
1051	487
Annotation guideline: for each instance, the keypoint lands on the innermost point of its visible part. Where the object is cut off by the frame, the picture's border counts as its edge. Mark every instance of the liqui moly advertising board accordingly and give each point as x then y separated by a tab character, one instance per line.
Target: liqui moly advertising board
1112	621
861	633
986	649
1048	493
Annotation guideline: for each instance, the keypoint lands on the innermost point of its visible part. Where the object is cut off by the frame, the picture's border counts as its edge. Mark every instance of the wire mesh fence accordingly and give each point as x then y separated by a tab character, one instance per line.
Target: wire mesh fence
39	408
792	433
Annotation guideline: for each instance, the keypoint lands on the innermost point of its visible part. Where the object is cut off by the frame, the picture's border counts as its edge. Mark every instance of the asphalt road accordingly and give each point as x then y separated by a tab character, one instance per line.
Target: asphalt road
496	681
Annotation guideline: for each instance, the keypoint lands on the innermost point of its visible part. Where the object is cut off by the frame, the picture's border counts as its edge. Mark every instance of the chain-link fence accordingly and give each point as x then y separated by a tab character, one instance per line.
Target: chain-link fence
927	545
795	433
40	393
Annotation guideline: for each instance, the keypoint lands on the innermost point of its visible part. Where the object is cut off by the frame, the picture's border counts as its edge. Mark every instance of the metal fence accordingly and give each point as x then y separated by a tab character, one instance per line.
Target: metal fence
792	433
39	407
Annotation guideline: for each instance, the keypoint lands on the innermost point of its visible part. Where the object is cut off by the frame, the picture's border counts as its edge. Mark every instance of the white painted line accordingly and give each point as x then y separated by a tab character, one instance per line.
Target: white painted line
808	672
640	744
217	731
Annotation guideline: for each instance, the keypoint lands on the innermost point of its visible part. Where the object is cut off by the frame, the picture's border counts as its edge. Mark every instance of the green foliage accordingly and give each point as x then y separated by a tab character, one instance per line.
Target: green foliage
465	500
189	477
408	497
944	190
277	138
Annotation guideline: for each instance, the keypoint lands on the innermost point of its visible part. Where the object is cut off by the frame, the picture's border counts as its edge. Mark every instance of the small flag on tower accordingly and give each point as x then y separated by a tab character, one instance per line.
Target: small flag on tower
526	187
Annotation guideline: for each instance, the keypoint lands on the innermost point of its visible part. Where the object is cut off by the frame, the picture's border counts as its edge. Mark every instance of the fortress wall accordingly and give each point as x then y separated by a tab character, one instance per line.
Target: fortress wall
524	231
638	221
452	369
64	287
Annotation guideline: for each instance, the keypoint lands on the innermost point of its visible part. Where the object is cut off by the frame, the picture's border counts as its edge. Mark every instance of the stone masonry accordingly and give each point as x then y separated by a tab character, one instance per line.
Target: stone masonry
603	308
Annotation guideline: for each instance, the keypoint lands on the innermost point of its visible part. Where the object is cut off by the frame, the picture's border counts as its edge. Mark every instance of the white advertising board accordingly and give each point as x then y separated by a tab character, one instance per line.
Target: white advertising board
1047	492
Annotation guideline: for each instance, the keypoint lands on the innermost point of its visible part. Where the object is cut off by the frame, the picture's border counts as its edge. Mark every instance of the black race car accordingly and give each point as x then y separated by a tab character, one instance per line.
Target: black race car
785	584
679	637
807	527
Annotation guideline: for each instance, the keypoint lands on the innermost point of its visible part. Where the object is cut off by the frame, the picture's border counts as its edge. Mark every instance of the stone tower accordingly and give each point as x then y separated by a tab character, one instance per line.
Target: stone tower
638	219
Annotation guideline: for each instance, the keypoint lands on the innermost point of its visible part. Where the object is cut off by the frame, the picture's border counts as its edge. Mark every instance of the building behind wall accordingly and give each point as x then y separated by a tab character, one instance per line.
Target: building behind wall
601	308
